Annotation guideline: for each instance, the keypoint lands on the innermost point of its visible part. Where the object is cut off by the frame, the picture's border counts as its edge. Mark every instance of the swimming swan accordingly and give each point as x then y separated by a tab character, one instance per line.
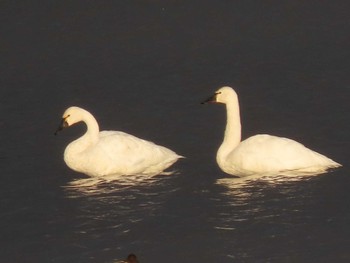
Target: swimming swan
262	153
112	152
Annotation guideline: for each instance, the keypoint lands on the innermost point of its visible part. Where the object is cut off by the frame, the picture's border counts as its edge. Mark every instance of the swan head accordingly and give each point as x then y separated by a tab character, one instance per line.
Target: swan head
71	116
222	95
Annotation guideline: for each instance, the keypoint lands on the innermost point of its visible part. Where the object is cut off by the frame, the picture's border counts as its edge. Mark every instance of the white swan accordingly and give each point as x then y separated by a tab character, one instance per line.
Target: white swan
262	153
112	152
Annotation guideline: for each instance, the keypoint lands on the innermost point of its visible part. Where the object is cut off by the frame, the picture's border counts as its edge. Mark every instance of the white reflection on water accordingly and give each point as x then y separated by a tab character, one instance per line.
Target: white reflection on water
260	199
115	209
267	210
111	183
239	185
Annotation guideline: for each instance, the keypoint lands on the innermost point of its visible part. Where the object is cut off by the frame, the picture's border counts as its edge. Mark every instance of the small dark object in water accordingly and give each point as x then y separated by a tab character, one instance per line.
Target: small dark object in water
132	259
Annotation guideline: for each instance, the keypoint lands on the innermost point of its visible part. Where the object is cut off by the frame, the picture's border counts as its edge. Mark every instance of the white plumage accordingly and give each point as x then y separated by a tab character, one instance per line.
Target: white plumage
262	154
112	152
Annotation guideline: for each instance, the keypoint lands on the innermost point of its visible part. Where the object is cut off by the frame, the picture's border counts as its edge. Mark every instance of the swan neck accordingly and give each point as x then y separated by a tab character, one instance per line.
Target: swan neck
232	135
72	153
92	127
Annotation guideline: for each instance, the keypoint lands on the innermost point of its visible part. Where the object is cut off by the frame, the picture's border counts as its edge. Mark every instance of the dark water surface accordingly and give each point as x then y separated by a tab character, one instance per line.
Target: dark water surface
143	67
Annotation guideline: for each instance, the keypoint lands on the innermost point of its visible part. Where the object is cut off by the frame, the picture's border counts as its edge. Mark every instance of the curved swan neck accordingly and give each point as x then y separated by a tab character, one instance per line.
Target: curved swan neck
232	135
92	126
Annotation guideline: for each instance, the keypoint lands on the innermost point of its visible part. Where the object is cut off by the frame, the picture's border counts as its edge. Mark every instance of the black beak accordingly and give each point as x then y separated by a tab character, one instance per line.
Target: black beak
63	125
210	99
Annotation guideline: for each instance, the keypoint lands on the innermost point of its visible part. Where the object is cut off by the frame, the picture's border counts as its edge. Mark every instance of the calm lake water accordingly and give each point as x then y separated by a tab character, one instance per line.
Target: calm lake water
143	68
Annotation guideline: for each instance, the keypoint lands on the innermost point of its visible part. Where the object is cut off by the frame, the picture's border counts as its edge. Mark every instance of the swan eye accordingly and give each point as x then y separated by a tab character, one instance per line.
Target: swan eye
66	116
218	92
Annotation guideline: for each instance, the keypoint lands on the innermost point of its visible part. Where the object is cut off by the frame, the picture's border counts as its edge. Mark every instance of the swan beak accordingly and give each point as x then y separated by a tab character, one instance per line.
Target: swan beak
63	124
211	99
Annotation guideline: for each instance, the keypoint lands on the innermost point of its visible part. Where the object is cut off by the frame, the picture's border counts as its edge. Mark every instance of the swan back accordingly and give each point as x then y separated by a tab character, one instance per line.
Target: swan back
264	153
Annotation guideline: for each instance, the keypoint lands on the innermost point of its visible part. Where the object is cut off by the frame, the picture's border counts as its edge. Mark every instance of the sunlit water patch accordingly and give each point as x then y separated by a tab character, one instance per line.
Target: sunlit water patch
114	209
249	197
273	206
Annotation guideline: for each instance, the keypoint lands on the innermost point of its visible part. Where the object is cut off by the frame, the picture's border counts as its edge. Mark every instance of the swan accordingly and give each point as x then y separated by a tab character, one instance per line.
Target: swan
112	152
262	153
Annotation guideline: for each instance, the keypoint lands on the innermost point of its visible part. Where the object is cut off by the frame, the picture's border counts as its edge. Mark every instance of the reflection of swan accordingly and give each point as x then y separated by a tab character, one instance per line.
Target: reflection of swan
109	184
112	152
240	185
262	153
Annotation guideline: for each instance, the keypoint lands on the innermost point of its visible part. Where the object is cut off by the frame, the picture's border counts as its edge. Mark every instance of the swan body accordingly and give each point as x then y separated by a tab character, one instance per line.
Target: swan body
112	152
262	153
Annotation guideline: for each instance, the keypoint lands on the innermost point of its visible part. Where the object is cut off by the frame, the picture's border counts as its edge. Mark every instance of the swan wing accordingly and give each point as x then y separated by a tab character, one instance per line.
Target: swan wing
271	153
128	154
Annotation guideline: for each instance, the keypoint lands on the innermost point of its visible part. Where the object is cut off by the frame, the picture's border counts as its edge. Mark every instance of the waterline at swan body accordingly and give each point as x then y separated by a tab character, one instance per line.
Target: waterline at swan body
112	152
262	154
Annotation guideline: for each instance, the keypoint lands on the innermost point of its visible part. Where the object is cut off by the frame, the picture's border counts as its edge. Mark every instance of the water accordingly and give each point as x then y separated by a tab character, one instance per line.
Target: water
143	68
